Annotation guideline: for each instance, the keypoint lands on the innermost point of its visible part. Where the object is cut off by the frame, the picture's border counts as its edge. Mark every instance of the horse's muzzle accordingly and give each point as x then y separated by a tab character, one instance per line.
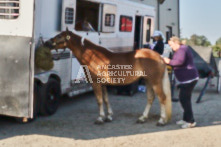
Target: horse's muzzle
49	44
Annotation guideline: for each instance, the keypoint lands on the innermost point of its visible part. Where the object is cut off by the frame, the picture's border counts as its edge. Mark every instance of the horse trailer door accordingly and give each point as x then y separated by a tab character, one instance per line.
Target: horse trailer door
68	14
16	58
109	18
148	28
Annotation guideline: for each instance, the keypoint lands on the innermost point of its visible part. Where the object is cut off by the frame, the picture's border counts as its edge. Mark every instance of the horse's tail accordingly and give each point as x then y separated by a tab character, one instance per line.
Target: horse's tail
167	91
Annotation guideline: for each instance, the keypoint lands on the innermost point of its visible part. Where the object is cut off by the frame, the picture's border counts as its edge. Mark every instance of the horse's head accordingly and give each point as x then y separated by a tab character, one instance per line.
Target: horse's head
60	41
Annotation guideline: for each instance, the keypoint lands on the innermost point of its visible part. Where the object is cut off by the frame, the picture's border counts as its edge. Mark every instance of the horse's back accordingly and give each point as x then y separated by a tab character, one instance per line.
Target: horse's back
147	53
151	62
137	56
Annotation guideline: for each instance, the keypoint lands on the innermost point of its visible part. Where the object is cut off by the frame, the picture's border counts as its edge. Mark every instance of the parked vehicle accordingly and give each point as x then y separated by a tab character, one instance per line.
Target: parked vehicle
118	25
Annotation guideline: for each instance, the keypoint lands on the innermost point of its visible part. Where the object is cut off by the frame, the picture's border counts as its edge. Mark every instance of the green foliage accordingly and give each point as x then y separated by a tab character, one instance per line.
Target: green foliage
198	40
217	50
218	41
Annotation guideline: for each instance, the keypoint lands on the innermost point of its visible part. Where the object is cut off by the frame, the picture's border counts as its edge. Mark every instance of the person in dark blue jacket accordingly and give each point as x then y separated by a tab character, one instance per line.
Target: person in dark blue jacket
159	45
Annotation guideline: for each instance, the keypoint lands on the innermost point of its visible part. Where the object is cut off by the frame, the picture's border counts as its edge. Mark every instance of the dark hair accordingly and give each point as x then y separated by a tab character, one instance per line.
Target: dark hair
160	37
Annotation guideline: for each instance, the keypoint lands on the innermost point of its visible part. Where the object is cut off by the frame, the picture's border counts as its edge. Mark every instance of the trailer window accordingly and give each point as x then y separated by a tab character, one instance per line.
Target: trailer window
169	33
126	23
148	30
69	15
9	9
110	20
87	16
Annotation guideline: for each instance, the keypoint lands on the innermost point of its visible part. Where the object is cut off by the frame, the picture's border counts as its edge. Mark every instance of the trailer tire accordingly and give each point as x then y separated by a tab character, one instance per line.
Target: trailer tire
36	107
50	96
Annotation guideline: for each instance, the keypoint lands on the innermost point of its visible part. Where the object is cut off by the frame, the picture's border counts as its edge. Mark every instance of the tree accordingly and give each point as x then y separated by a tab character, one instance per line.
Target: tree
217	50
217	47
199	40
218	41
196	40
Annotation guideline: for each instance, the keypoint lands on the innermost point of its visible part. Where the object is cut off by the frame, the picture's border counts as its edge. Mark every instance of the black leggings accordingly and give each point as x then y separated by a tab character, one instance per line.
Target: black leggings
185	100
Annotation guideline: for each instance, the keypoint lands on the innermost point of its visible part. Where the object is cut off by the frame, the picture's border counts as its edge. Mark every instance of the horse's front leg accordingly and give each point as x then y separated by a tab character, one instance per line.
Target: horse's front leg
106	100
98	94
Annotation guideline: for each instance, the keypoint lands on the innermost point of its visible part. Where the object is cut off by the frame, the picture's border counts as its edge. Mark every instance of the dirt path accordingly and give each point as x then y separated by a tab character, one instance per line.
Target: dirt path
73	124
197	137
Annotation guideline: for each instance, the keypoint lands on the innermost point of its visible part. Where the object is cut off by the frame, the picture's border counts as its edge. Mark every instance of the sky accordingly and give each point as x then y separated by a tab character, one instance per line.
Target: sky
201	17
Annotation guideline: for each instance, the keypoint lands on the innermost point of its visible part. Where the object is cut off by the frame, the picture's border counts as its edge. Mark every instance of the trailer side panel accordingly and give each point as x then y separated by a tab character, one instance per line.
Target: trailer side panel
15	76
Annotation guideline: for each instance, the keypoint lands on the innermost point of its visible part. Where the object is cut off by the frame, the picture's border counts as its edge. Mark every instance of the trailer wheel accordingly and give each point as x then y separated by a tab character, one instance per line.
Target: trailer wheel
37	100
50	95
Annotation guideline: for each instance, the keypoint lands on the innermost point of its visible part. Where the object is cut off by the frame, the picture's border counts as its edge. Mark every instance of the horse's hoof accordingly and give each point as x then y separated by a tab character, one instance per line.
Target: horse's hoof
99	121
108	119
141	120
160	124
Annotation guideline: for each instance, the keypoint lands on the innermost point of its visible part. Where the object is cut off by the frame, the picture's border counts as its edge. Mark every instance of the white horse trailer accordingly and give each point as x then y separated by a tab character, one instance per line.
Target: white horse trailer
118	25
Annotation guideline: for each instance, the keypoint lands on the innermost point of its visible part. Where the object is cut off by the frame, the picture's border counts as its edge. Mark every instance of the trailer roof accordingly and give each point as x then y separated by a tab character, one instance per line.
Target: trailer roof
127	2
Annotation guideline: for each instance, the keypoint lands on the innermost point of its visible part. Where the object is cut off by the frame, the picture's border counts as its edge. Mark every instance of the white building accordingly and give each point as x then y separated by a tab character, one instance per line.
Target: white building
168	13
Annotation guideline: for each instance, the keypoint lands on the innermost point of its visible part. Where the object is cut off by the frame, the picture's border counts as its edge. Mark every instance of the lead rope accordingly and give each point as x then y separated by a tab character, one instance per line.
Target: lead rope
82	41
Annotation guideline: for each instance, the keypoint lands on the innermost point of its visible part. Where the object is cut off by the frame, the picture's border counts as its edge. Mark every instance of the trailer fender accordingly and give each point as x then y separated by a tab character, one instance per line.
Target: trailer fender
43	77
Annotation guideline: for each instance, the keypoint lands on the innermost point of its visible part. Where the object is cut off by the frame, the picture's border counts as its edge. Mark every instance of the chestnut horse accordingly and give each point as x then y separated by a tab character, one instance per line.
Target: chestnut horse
109	68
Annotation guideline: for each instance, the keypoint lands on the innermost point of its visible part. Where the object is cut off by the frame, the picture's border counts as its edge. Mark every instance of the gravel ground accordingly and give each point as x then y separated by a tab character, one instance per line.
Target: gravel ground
73	124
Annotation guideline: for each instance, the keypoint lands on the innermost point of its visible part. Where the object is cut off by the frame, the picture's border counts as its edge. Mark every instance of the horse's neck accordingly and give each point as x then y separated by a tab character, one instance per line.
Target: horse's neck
79	49
83	50
75	46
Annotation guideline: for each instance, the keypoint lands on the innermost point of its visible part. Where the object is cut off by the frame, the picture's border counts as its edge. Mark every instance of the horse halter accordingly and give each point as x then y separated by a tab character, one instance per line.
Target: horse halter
62	40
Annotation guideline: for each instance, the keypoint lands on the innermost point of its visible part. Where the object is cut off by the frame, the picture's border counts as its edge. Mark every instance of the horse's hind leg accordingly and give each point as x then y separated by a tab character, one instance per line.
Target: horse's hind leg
165	103
98	94
164	94
150	99
106	100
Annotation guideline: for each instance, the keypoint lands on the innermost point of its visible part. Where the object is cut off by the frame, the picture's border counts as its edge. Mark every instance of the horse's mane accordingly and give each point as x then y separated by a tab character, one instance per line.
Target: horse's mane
92	46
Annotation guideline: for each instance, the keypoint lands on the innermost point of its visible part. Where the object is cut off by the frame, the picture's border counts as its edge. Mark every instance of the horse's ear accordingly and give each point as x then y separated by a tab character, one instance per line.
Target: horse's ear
67	29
